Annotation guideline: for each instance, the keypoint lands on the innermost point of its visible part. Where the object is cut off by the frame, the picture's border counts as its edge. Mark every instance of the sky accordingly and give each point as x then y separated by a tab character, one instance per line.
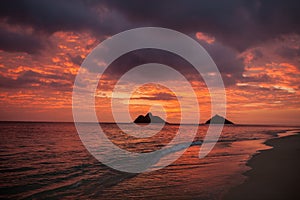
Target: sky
255	45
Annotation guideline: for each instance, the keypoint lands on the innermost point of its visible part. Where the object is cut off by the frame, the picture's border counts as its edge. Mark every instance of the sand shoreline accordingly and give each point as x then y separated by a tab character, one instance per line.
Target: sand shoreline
275	172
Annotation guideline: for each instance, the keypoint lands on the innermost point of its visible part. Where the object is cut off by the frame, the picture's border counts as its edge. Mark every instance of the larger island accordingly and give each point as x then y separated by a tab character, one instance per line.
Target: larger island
149	118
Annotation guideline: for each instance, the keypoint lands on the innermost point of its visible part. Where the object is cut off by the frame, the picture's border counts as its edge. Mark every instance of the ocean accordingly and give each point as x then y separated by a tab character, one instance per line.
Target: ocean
48	161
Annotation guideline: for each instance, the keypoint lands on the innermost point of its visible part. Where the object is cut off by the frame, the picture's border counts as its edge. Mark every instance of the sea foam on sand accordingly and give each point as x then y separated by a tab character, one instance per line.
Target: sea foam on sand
275	172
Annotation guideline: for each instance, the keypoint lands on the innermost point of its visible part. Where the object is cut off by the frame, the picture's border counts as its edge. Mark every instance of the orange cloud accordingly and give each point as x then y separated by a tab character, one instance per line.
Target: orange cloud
206	38
41	86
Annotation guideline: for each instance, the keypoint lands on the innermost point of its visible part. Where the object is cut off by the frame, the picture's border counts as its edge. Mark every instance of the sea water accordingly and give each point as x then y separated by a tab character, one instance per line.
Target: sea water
48	160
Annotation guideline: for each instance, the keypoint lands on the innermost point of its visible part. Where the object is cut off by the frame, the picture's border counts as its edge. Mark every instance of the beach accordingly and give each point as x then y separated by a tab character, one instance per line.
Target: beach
274	174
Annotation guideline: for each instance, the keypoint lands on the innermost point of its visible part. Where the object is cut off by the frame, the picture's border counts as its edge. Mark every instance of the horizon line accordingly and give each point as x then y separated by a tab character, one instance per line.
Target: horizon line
235	124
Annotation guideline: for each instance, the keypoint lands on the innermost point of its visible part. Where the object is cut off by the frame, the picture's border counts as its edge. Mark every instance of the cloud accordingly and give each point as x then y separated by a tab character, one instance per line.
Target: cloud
229	64
16	42
224	29
47	17
289	52
162	96
237	23
31	79
76	59
227	60
257	39
206	38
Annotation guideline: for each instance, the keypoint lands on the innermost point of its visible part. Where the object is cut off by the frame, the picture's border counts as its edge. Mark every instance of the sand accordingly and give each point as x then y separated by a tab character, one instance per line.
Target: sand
275	173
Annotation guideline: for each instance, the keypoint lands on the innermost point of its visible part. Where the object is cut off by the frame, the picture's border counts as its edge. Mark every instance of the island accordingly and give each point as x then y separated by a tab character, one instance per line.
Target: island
149	118
217	119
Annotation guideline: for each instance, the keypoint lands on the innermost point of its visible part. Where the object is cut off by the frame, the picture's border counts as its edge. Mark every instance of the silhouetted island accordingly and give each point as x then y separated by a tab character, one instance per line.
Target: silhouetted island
217	119
149	118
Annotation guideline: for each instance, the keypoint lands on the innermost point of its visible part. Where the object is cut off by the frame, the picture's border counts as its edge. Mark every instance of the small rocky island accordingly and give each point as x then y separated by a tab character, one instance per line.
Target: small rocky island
217	119
149	118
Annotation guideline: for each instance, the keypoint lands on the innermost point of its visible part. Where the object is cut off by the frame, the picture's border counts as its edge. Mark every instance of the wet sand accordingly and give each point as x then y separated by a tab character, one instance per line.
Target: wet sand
275	173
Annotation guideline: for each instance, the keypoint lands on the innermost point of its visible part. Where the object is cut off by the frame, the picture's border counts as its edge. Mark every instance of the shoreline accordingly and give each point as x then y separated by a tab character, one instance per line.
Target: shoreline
274	172
296	126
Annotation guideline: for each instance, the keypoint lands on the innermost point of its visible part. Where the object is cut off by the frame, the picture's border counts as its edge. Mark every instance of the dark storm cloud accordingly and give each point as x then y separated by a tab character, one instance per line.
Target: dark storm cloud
47	17
24	80
139	57
31	79
15	42
225	58
76	59
237	23
257	54
292	54
288	52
